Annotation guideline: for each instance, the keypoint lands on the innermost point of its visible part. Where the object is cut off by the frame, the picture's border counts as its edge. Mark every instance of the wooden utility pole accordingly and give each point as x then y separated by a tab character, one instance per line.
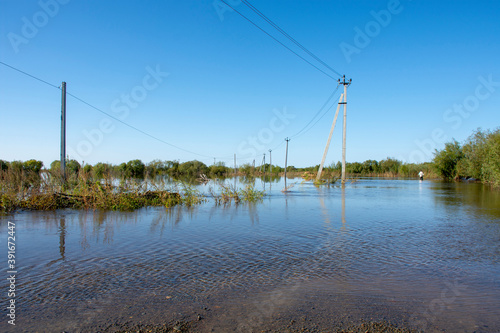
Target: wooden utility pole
63	130
318	176
286	158
270	162
345	83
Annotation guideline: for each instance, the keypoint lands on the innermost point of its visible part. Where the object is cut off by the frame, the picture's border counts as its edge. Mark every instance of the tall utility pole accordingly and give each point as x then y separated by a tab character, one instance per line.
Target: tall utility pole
63	130
264	162
286	158
345	83
318	176
270	162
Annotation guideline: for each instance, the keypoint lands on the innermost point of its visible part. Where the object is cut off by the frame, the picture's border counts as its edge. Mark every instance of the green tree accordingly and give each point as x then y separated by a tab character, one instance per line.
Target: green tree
193	168
446	160
33	166
136	168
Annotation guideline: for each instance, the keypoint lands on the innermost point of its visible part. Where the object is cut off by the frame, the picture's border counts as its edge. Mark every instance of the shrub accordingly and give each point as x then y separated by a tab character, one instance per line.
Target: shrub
446	160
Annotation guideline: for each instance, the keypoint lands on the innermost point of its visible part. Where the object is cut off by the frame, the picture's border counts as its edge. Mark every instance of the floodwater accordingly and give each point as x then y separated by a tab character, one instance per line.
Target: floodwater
423	255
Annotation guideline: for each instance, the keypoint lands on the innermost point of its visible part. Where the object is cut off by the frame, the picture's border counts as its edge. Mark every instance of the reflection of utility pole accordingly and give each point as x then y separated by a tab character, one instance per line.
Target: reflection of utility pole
63	130
345	83
270	162
62	237
343	207
286	158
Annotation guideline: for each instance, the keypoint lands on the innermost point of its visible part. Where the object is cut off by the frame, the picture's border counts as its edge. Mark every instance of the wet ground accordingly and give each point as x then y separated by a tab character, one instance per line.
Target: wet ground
379	255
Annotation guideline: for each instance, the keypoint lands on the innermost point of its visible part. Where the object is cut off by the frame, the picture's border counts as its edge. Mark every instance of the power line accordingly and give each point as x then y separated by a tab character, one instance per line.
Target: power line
27	74
283	32
133	127
317	113
276	40
105	113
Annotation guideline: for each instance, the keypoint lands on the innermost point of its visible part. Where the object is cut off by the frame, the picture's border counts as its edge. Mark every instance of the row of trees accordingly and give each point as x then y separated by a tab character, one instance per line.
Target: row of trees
477	158
137	169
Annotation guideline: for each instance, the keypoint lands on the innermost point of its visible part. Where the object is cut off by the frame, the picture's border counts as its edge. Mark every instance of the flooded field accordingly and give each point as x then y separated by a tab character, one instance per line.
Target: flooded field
420	255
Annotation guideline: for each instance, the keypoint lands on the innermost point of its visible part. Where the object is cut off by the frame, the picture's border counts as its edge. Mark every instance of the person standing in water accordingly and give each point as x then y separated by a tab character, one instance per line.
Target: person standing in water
421	175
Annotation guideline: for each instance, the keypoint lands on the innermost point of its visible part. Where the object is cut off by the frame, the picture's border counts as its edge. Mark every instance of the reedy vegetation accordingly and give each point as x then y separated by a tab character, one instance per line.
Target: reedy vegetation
26	185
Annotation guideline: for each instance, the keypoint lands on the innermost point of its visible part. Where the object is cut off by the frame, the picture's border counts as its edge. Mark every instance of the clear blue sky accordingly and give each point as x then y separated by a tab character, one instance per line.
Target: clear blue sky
422	71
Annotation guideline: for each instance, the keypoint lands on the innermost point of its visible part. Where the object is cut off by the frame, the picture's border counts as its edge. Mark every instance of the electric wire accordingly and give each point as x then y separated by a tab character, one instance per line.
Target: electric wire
317	121
105	113
284	33
27	74
133	127
317	113
276	40
303	130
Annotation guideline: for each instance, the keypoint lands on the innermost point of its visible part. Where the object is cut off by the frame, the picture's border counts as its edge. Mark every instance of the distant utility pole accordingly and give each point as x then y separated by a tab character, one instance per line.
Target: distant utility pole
264	163
270	162
214	160
345	83
286	158
63	130
235	171
318	176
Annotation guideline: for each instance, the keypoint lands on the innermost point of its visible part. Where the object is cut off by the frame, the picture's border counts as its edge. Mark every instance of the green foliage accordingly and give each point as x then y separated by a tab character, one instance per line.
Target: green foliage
481	154
446	160
389	165
33	166
193	168
219	170
135	169
72	167
102	170
250	194
3	165
55	166
190	196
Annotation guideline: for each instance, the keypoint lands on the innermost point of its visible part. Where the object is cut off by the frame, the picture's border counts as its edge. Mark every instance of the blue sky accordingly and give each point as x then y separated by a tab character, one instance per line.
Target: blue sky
197	75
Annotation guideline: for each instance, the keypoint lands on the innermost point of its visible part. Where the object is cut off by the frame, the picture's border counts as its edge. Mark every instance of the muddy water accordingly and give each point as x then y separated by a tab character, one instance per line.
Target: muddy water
422	255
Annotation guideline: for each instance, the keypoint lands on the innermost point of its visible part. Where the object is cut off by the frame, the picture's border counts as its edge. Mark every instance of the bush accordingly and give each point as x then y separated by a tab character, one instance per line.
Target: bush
446	160
219	169
102	170
33	166
136	168
193	168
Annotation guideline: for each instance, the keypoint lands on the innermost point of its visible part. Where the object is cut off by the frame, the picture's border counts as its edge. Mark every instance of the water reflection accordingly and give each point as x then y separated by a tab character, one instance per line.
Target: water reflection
383	242
469	198
62	237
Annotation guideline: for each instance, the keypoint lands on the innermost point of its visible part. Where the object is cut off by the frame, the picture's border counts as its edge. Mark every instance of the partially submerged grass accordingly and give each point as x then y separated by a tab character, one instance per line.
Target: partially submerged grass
45	191
48	191
230	193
